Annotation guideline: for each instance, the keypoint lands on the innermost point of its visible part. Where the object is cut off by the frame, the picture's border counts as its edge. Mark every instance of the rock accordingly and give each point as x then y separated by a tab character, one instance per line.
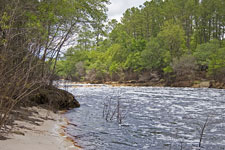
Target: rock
216	84
182	84
55	98
204	84
132	81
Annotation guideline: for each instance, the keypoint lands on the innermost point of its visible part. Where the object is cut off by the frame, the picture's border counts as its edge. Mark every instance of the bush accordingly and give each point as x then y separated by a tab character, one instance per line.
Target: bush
217	65
185	67
204	52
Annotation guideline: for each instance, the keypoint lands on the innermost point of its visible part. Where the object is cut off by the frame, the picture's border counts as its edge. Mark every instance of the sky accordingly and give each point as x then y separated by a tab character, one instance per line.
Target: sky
118	7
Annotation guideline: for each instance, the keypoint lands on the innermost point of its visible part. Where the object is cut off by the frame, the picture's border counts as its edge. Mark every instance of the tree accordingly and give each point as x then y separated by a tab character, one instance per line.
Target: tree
152	18
133	62
152	56
204	52
172	36
71	16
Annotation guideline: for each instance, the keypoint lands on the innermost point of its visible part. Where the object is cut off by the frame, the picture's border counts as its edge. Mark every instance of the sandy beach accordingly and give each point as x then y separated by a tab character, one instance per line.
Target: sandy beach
44	130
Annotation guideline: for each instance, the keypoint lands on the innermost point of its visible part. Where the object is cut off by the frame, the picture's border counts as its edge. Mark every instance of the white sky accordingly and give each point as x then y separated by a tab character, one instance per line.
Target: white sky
118	7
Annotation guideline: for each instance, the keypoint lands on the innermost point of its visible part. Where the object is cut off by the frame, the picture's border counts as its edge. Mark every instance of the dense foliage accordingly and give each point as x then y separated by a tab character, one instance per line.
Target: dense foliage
32	34
174	39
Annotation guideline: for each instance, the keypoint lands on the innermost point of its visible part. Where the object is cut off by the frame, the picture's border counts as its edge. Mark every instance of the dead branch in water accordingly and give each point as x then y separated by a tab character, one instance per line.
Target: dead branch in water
114	109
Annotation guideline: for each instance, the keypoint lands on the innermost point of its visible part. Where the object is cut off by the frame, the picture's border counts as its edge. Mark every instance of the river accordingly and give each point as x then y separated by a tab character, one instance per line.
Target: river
151	118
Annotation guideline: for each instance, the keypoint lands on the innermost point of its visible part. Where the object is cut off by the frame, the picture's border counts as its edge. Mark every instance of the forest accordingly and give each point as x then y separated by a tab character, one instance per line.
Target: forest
161	41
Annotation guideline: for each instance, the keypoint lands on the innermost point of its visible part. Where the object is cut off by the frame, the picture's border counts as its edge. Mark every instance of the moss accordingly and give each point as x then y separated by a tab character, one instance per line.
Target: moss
197	82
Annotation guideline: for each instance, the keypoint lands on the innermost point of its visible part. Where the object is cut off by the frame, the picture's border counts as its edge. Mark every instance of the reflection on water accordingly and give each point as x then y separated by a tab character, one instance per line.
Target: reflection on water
157	119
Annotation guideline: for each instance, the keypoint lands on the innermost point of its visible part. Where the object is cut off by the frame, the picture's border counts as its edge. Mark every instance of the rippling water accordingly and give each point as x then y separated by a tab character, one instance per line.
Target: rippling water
157	118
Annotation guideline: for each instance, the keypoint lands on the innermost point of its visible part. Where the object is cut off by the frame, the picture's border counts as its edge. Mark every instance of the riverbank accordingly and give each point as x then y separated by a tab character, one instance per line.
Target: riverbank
192	84
38	129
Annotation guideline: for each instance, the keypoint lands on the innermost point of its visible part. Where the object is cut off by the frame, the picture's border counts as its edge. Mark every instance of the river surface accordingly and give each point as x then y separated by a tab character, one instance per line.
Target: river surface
151	118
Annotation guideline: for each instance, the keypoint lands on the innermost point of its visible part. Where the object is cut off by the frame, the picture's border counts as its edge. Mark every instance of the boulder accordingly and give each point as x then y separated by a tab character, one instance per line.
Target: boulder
53	97
202	84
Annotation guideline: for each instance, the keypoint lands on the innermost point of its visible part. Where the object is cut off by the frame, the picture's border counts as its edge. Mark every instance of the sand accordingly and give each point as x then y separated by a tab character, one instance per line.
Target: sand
39	133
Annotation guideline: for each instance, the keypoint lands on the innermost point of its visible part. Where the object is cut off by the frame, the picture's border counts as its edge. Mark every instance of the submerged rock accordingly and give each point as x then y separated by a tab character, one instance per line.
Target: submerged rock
54	98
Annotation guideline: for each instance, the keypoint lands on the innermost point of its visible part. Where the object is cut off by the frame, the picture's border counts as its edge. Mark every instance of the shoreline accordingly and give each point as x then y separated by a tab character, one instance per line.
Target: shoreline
196	84
42	130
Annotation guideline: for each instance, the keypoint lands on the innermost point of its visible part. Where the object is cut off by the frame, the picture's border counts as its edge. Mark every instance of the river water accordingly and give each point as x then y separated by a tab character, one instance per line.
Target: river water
152	118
